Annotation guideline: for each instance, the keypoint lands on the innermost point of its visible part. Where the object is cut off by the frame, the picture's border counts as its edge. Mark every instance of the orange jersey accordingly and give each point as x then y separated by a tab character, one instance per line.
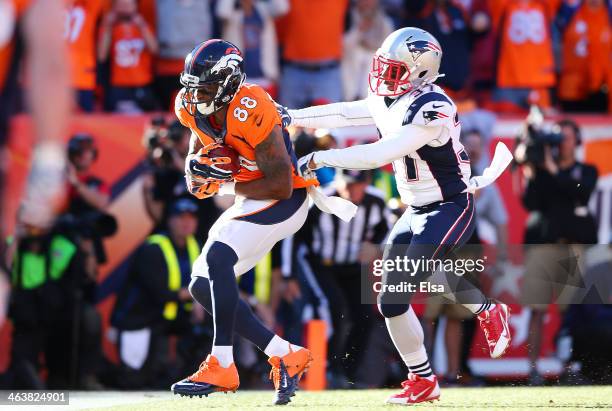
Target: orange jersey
305	41
250	118
10	13
130	59
587	53
525	54
80	33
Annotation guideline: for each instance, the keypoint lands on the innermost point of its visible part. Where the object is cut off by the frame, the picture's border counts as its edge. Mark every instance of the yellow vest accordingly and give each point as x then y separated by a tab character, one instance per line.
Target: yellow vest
174	269
262	279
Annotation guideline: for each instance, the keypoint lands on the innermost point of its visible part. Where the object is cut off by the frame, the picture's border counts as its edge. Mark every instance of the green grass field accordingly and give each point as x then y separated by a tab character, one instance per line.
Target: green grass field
506	398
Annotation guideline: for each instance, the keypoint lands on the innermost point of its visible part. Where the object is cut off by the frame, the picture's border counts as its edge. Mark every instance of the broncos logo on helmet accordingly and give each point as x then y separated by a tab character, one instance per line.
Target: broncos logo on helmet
228	61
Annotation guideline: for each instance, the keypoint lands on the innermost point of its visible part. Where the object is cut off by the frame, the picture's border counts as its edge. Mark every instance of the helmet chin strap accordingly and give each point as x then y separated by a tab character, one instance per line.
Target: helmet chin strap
206	109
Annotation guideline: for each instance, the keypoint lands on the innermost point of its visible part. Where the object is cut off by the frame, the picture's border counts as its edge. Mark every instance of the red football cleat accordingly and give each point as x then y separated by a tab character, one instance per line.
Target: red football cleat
494	323
416	389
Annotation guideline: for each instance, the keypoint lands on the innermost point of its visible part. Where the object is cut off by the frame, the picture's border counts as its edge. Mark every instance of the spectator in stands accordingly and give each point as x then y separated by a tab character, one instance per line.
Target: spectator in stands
329	253
80	32
447	23
249	25
154	300
586	67
525	65
482	50
312	50
127	39
164	181
368	29
180	26
557	195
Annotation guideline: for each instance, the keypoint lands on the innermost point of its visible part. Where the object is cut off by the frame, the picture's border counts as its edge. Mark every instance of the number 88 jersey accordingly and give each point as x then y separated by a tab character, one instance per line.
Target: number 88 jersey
250	118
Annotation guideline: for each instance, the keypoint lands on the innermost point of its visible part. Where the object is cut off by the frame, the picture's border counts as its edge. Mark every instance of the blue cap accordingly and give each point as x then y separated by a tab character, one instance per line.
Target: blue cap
183	205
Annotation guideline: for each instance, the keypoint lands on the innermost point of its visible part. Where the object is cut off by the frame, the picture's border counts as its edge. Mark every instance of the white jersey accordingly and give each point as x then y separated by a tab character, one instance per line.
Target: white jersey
438	170
419	134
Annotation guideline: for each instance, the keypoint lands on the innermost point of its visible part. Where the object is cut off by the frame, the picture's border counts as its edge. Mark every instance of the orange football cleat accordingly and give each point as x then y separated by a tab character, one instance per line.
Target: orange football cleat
209	378
286	373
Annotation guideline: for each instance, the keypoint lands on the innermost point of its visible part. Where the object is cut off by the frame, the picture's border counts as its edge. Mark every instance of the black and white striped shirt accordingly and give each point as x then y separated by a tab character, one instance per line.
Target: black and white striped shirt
332	241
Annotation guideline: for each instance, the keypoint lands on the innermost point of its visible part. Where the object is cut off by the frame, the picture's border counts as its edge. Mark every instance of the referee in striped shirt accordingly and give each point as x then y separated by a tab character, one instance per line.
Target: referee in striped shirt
327	254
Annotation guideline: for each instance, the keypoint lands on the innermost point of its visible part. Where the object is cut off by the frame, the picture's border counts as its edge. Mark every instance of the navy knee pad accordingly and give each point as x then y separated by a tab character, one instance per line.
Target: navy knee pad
199	288
392	310
220	257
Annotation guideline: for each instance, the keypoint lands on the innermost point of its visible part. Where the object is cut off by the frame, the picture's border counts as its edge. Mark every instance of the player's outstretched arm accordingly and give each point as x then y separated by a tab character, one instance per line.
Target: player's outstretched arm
46	56
368	156
354	113
47	70
274	162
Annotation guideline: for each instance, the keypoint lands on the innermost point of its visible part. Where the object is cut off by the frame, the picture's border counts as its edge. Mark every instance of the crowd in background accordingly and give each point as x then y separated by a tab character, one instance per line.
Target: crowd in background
502	54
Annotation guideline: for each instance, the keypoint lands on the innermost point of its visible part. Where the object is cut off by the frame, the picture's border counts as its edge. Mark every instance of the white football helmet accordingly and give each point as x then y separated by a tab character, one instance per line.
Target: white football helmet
408	58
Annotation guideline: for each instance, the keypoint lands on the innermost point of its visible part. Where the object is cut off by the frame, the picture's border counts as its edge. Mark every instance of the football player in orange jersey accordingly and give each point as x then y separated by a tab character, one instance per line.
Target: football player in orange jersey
271	204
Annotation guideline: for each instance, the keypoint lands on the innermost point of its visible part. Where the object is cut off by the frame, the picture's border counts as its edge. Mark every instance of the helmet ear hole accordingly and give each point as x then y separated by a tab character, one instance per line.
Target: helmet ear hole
422	73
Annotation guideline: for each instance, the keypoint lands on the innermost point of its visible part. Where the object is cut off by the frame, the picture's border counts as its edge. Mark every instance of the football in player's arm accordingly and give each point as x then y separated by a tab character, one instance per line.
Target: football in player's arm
205	179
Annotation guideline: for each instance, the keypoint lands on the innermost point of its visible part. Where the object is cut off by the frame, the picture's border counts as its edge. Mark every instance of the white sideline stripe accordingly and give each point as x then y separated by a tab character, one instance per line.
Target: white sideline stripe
514	366
82	400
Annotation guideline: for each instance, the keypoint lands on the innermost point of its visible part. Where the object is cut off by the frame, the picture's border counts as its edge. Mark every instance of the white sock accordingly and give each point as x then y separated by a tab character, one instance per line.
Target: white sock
479	308
223	353
407	335
277	347
418	363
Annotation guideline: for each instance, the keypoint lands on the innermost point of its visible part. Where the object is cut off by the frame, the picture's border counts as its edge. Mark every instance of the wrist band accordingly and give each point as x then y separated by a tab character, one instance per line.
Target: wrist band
227	189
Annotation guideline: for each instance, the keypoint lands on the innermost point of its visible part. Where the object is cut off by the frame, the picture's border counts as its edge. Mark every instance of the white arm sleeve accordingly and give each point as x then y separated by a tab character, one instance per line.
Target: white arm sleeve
354	113
368	156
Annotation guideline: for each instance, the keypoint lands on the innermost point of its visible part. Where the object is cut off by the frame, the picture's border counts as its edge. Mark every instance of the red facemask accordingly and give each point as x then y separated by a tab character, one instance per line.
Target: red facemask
389	77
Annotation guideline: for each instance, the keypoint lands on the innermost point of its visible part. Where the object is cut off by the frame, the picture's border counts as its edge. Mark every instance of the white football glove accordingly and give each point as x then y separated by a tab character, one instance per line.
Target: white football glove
304	168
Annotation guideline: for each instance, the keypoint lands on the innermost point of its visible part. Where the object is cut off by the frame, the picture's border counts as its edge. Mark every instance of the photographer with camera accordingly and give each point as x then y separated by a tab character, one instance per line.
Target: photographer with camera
84	223
88	196
47	266
164	181
557	192
87	192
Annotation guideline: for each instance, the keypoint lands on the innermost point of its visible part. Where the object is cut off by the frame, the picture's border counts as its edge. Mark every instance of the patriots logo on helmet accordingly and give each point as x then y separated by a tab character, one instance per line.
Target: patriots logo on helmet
419	47
429	116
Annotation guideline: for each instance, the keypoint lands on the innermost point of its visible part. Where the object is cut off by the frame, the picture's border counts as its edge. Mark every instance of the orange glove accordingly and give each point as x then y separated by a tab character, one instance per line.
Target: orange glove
201	188
204	167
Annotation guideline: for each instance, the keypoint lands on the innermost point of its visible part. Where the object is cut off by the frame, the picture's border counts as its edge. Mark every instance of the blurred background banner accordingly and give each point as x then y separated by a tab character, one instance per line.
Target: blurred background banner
121	164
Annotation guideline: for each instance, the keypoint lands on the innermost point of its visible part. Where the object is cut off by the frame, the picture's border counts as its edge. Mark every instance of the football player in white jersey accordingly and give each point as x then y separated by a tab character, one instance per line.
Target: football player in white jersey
419	133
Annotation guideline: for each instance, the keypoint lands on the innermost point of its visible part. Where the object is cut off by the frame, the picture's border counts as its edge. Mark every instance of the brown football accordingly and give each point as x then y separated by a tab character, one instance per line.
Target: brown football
227	151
